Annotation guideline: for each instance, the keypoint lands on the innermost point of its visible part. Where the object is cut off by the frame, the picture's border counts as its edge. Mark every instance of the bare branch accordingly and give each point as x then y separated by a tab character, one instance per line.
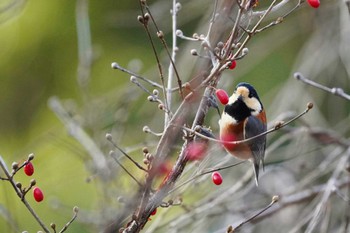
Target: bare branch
273	201
278	126
335	90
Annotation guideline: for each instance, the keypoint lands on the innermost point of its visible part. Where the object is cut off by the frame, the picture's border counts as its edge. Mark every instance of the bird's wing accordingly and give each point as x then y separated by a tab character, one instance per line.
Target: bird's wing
254	126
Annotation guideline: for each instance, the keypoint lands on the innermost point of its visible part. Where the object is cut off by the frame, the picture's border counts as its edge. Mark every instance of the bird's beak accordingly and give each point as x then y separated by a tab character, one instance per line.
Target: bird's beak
240	98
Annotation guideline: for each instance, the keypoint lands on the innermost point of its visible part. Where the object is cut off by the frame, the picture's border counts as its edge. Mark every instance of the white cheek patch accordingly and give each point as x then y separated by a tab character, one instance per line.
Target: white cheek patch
254	104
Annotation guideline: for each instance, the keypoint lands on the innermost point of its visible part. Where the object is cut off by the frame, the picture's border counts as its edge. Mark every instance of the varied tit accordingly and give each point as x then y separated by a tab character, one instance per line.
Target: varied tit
244	117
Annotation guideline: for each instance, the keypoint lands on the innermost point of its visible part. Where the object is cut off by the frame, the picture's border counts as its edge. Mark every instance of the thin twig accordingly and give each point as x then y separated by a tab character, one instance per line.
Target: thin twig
252	32
113	155
277	127
155	53
279	6
273	201
161	37
212	20
75	215
335	90
204	173
171	68
229	42
110	139
116	66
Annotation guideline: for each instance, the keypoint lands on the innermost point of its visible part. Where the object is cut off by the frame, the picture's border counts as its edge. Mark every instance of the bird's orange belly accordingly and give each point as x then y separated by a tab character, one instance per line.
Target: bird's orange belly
231	134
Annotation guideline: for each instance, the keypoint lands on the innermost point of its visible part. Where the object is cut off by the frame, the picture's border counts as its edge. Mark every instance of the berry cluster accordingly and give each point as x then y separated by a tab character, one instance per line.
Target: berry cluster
28	169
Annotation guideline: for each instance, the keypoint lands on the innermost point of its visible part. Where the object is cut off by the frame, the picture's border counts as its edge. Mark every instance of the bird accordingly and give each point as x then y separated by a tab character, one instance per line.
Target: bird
244	117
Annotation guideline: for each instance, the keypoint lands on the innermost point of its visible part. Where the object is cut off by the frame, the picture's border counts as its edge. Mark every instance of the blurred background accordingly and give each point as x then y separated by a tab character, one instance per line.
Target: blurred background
64	49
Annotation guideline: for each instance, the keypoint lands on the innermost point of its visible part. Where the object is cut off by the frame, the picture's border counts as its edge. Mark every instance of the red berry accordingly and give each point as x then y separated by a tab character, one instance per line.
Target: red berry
196	150
222	96
314	3
28	169
233	65
154	211
217	178
38	194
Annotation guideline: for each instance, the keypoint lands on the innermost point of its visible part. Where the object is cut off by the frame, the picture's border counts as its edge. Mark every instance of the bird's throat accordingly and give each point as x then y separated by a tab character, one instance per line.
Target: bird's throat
238	110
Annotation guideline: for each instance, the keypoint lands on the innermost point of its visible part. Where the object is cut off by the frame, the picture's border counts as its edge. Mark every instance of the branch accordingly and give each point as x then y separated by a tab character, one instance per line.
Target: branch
278	126
21	196
80	135
302	196
145	18
337	91
273	201
75	215
110	139
116	66
204	173
329	189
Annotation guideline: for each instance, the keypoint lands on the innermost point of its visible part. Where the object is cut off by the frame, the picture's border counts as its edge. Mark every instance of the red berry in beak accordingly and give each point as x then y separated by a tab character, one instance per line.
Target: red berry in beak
222	96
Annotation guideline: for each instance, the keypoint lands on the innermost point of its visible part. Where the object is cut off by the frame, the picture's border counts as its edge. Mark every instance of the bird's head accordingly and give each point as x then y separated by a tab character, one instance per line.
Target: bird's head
243	102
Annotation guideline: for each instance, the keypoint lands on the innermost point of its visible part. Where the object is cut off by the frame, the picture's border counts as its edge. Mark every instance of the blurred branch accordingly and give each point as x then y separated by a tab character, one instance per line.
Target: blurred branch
273	201
303	196
335	90
347	3
328	190
76	131
327	137
85	53
10	9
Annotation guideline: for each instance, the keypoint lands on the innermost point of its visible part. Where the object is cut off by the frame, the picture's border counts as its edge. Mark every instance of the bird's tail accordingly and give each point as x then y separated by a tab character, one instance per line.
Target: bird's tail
256	172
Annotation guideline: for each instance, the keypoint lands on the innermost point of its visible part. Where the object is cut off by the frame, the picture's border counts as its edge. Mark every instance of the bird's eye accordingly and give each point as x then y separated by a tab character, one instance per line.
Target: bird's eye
250	95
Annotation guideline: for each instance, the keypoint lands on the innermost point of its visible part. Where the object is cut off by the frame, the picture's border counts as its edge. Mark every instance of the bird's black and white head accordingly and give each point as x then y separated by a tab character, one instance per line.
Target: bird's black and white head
243	103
